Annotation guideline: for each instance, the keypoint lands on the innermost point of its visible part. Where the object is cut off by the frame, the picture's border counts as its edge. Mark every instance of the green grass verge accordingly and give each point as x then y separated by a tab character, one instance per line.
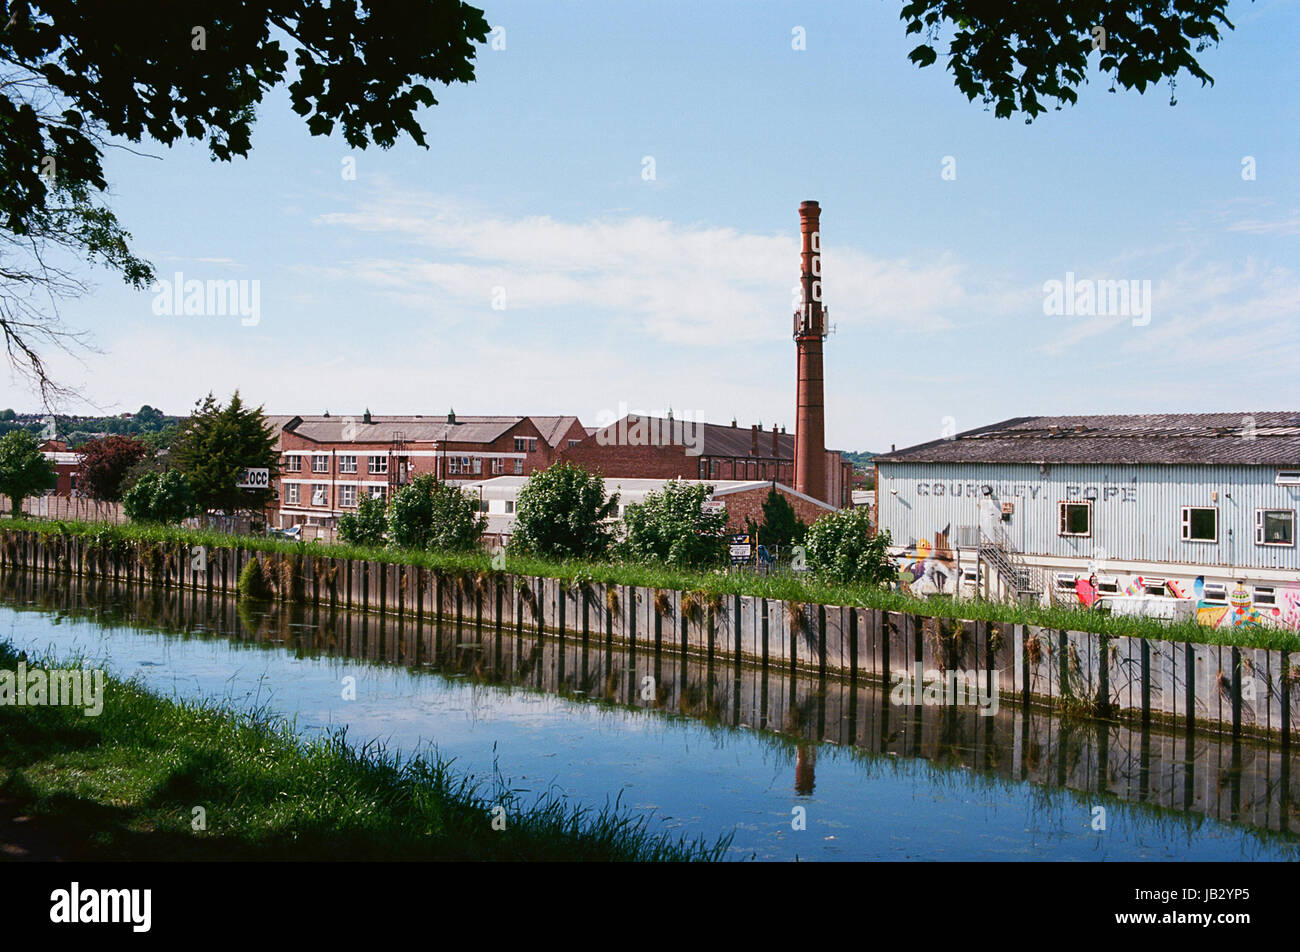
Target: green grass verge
787	587
124	786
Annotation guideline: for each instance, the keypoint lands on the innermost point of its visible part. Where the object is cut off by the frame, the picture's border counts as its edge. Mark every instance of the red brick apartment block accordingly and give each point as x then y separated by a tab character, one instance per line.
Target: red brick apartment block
327	462
647	447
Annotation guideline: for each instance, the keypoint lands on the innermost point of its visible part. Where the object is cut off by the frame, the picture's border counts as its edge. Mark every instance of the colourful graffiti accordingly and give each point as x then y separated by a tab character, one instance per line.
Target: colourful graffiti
928	568
1240	611
1286	613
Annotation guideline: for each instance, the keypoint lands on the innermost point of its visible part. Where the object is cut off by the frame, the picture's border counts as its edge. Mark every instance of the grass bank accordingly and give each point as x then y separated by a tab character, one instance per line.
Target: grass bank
787	587
124	786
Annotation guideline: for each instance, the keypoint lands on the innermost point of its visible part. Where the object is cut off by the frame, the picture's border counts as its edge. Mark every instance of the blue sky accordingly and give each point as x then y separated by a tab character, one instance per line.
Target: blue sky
378	291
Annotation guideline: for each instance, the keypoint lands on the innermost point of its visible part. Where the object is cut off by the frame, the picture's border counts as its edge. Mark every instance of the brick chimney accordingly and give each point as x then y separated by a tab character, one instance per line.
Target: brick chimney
753	440
776	451
809	332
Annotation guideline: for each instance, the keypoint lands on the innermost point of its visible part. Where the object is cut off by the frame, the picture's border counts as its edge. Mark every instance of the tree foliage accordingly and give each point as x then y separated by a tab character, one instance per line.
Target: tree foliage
24	471
218	443
781	526
427	514
77	76
105	464
561	514
368	525
672	527
841	547
1015	56
159	497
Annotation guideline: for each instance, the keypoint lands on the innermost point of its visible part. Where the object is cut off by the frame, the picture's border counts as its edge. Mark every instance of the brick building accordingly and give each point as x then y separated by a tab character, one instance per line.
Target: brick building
327	462
67	466
648	447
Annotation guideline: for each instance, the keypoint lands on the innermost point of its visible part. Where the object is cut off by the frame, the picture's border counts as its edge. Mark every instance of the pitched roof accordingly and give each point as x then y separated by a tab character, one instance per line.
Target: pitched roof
1259	438
553	428
714	438
414	428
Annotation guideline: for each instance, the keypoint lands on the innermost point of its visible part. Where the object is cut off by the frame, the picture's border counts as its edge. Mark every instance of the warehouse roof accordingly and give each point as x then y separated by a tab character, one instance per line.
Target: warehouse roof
1260	438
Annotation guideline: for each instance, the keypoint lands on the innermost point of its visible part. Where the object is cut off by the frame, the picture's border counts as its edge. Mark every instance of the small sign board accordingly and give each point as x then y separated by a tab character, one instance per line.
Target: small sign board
714	505
742	550
254	478
1008	508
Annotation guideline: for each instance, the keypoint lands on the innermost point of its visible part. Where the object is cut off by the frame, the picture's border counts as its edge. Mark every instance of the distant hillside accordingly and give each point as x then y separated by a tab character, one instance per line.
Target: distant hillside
860	460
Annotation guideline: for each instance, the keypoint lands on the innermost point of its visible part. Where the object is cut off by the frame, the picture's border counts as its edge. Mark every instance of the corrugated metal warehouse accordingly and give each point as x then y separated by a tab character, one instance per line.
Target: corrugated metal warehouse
1194	506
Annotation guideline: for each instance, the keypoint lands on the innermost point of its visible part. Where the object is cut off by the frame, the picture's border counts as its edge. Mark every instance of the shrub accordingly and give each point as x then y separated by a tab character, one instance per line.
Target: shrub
252	581
159	497
562	513
672	527
841	547
367	525
427	514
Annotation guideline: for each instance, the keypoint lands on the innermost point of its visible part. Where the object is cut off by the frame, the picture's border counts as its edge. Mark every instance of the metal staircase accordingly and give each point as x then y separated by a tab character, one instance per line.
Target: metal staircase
1004	562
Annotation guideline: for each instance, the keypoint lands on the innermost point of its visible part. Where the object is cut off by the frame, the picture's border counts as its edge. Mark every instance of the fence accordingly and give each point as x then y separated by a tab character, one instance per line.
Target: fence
68	507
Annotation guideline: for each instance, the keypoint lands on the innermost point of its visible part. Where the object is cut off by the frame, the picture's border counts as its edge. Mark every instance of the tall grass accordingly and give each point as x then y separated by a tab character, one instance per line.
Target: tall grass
782	586
125	785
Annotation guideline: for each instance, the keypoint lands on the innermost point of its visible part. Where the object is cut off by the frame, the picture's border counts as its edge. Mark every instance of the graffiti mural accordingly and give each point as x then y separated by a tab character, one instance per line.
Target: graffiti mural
929	568
1240	611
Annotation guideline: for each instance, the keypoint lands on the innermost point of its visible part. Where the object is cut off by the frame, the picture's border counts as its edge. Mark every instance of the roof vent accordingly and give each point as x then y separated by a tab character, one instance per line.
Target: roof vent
365	417
451	416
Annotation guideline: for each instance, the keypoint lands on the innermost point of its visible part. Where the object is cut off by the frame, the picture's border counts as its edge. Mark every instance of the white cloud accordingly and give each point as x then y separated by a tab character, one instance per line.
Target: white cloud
679	284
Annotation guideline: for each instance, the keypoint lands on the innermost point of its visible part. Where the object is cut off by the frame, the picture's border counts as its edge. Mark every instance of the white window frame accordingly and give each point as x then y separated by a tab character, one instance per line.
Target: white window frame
293	462
320	463
1214	593
498	466
347	464
322	491
378	465
1287	477
378	492
1186	522
347	497
1063	521
1265	595
519	467
291	493
1261	515
510	506
453	466
521	444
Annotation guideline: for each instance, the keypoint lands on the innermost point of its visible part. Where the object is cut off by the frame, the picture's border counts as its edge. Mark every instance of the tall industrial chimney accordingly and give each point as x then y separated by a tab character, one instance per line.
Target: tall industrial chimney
809	332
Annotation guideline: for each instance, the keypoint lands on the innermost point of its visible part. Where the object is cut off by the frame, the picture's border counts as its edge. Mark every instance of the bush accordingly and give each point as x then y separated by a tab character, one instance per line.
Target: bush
159	497
428	514
367	525
672	527
252	581
561	515
840	547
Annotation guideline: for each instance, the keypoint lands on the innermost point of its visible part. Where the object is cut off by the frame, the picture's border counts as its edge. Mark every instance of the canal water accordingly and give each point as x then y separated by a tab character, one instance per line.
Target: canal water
792	767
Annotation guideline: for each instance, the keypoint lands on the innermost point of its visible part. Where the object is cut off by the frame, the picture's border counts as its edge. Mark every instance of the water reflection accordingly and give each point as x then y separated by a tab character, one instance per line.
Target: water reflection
941	778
